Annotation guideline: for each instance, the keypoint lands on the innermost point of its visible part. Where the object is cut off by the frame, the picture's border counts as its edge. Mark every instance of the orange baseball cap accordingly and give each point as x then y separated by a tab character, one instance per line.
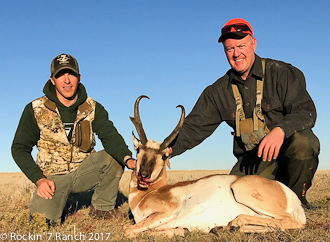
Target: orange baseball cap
236	27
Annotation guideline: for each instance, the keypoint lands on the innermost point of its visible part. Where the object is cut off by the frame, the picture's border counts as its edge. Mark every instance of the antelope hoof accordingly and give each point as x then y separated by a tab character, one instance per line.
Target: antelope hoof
128	231
216	230
234	229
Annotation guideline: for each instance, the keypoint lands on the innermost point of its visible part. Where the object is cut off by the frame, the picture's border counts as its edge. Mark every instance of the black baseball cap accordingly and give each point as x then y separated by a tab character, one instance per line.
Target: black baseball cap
62	62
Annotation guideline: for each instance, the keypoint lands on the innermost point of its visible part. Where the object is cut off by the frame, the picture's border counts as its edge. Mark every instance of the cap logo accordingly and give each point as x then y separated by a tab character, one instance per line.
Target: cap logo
63	59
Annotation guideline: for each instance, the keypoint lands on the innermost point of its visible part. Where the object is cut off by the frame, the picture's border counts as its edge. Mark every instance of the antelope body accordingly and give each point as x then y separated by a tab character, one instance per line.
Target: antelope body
253	203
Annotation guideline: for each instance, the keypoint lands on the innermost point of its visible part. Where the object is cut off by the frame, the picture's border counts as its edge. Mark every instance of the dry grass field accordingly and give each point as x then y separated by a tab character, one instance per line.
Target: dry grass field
15	224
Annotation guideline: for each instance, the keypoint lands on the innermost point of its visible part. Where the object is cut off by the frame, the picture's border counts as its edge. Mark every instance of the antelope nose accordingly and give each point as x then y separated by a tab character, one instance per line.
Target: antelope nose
144	174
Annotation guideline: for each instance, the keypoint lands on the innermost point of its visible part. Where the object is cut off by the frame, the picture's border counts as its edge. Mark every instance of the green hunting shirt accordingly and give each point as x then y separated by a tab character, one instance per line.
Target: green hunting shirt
286	104
28	132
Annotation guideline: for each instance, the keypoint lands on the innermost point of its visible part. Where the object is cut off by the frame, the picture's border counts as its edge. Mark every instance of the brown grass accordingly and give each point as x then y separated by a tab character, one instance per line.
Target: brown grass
16	190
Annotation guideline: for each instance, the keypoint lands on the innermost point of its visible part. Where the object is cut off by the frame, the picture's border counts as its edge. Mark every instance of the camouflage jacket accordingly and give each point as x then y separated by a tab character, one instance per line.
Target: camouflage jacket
58	155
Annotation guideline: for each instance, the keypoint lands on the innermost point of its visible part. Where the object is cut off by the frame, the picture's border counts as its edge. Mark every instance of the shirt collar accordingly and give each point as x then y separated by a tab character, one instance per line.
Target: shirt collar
256	72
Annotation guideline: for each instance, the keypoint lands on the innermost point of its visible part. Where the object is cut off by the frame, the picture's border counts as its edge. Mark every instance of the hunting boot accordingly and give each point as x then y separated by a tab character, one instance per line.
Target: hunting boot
110	214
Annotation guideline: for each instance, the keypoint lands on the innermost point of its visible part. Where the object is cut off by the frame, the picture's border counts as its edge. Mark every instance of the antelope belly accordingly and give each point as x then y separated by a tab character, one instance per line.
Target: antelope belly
207	203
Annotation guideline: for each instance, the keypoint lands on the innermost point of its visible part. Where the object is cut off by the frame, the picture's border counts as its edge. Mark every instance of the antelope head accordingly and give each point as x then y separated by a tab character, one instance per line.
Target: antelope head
151	155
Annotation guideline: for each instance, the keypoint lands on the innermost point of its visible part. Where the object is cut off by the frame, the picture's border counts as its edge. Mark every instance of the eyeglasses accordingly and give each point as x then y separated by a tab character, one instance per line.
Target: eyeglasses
237	27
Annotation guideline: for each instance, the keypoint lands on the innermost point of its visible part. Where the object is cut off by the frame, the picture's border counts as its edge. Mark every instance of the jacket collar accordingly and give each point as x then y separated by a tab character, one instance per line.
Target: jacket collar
83	110
256	72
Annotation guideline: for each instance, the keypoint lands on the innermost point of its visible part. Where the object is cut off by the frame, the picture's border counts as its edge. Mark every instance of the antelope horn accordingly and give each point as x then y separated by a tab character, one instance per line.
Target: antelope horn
175	132
137	121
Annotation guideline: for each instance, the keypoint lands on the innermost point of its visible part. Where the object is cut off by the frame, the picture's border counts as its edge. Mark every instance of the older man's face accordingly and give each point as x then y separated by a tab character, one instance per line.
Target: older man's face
240	54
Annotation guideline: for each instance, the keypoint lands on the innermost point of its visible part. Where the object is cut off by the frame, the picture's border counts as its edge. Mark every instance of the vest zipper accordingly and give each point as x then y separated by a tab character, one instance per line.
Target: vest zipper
70	161
79	136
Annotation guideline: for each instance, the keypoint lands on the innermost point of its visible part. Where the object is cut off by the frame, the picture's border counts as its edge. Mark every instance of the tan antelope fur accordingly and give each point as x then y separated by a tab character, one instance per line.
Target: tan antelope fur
253	203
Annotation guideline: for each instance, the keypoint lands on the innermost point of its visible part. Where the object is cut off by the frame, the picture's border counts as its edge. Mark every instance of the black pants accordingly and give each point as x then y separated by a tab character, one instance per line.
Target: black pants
295	166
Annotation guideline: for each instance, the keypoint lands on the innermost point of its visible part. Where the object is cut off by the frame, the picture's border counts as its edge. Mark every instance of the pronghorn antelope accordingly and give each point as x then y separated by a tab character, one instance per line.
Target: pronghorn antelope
253	203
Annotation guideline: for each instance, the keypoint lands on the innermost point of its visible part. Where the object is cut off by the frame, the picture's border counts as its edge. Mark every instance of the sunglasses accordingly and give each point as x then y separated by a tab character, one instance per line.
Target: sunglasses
237	27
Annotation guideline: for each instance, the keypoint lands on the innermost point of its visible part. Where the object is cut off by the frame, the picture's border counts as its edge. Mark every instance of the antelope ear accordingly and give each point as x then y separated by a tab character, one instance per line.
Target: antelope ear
136	142
167	151
166	157
168	163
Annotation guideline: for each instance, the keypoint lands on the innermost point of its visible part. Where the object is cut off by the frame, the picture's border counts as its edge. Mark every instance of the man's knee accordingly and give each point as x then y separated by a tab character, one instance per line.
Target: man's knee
303	145
118	170
114	168
51	208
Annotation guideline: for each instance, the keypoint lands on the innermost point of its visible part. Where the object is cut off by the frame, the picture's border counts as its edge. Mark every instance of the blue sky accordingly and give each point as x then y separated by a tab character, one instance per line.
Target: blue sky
167	50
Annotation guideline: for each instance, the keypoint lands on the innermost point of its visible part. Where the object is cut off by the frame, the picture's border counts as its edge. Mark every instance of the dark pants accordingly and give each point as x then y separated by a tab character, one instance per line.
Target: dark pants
295	166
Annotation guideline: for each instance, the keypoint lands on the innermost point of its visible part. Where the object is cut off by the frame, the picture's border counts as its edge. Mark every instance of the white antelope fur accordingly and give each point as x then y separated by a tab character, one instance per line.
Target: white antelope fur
252	203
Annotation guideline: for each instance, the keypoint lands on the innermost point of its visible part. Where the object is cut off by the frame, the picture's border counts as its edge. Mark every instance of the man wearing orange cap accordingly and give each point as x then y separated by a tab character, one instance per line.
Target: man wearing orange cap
266	102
